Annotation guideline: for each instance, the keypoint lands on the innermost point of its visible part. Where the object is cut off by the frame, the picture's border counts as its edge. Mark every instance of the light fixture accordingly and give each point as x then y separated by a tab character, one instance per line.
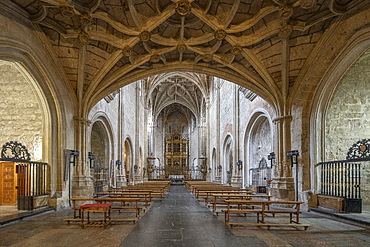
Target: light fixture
271	157
91	158
239	163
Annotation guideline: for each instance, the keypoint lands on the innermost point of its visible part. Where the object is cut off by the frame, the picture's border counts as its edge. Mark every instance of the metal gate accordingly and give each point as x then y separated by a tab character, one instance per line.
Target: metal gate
343	178
32	177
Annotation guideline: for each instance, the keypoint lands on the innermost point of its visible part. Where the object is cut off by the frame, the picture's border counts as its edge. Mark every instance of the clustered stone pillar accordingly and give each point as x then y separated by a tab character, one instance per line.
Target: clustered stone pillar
82	183
282	186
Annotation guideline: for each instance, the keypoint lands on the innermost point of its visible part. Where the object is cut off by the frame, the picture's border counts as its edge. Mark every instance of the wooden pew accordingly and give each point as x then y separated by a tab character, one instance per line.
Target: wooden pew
122	206
264	208
144	195
221	198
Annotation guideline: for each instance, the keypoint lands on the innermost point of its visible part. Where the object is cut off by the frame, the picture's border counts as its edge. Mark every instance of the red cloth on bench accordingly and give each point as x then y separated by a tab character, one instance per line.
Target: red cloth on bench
91	205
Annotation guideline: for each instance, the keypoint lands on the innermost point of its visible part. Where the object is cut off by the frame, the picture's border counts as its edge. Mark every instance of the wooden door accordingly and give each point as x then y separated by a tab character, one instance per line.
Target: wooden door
8	193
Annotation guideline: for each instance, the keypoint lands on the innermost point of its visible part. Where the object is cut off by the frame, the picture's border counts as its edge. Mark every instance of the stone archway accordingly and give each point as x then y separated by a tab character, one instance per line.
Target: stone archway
258	144
228	157
345	119
100	147
128	161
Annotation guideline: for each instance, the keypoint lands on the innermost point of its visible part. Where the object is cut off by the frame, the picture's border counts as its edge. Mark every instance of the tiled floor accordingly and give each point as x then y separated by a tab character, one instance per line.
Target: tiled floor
179	220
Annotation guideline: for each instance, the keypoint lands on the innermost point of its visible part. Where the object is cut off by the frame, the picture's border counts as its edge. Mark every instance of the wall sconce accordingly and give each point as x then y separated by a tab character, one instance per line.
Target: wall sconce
73	154
135	168
293	155
239	163
271	157
91	158
118	164
219	168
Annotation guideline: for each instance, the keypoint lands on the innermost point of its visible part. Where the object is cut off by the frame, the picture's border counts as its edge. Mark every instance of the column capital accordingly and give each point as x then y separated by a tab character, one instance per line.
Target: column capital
282	118
82	120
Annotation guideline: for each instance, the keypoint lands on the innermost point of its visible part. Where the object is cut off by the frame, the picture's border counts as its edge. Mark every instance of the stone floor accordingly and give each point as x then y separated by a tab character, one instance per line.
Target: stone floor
179	220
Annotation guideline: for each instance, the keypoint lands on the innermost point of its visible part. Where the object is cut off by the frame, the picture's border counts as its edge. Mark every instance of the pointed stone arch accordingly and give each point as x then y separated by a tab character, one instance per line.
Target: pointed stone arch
258	141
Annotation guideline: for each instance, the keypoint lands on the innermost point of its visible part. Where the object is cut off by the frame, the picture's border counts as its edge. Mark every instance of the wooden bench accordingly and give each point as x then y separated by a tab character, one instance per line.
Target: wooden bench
104	208
145	196
221	198
122	206
264	208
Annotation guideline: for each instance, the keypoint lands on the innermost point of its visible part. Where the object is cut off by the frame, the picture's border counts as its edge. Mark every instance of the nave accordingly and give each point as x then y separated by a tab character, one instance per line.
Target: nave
179	220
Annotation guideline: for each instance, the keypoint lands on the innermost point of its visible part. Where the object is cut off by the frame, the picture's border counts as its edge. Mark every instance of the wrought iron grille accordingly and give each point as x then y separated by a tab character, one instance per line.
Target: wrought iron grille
340	178
159	173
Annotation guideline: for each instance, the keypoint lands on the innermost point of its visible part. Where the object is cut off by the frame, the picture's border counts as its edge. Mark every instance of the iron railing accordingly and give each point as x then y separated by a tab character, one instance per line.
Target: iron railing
339	178
32	178
161	173
260	176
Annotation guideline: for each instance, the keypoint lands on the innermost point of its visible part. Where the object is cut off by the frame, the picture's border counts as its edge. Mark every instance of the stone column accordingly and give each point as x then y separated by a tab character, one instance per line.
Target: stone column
218	133
236	179
136	148
283	186
82	183
121	174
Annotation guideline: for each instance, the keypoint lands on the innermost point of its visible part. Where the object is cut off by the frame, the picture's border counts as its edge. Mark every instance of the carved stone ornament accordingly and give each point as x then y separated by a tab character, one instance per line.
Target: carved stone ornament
181	47
285	31
220	34
237	49
84	37
154	58
145	36
286	12
183	8
307	4
86	20
15	150
66	11
127	51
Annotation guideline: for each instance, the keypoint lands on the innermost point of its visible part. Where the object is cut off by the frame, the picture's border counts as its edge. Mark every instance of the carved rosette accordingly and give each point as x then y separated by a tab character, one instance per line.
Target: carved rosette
220	35
183	8
236	50
85	20
181	47
144	36
307	4
154	58
127	51
66	11
286	12
84	38
285	31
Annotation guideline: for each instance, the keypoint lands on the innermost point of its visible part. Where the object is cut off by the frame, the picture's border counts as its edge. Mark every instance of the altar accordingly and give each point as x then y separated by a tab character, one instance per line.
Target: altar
176	179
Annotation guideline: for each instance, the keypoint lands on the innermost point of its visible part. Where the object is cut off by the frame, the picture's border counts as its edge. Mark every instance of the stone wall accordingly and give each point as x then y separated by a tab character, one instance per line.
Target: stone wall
262	144
21	117
347	119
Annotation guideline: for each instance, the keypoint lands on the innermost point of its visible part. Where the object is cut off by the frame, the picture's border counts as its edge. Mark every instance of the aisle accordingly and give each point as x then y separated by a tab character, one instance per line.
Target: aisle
179	220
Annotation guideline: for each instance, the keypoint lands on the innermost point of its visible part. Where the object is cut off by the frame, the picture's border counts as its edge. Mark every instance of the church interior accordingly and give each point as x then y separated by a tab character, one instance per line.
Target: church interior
269	97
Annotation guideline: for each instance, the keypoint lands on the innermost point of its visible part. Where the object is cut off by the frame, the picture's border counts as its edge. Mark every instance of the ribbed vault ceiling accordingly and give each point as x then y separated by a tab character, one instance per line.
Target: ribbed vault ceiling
112	42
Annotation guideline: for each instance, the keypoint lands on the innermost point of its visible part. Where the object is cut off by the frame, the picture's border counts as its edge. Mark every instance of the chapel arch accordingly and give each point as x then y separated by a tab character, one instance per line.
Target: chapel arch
128	161
228	157
258	144
345	118
214	166
101	146
345	87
